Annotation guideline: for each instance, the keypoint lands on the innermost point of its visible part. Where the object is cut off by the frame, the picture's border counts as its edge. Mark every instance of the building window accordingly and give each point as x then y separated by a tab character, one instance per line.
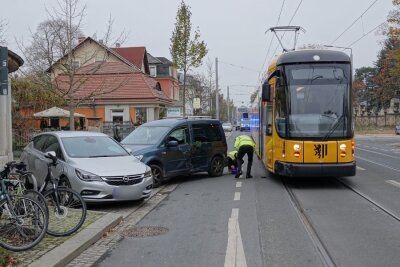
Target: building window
75	64
141	116
153	71
117	116
163	70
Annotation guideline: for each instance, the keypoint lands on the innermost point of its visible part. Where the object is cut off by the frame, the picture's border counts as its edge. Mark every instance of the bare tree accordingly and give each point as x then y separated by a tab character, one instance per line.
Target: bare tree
53	60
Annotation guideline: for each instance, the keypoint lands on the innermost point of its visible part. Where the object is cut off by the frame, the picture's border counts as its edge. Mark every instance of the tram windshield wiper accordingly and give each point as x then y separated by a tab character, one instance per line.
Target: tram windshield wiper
333	128
316	77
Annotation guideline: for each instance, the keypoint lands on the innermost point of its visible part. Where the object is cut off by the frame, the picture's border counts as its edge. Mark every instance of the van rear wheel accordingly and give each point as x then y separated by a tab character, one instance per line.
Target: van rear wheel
157	175
216	167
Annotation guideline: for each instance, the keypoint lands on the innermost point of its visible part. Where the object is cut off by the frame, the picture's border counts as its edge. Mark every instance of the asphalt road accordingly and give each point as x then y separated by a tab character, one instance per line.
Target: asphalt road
257	222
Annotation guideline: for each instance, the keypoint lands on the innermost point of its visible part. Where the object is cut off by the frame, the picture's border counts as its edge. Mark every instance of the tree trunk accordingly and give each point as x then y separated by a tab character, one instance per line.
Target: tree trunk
184	93
71	112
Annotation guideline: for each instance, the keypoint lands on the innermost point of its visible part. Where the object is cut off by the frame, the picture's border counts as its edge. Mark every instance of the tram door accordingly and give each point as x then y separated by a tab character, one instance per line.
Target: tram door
267	131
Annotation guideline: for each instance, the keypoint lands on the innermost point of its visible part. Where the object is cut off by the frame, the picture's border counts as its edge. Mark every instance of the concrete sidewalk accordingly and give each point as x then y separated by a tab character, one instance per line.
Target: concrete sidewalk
71	248
59	251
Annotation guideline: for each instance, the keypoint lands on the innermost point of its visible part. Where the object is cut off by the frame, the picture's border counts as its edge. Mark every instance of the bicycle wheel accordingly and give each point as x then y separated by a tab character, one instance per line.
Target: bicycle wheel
26	228
70	213
38	197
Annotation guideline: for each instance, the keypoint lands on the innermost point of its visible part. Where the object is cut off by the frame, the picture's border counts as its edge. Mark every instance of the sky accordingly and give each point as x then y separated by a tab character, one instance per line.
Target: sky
234	30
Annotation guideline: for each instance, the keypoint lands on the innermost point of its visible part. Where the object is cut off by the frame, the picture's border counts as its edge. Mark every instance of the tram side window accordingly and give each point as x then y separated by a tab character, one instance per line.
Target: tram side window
268	120
281	111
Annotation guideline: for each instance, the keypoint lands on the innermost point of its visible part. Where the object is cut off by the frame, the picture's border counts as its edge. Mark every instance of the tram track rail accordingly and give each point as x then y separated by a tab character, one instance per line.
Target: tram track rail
370	200
323	253
315	238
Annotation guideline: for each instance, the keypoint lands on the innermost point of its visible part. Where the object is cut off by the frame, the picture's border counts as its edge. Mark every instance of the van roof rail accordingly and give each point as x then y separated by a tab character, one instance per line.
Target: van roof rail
199	117
189	117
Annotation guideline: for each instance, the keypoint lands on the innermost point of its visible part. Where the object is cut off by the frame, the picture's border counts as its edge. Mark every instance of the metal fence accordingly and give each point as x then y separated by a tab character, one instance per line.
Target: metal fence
21	137
118	131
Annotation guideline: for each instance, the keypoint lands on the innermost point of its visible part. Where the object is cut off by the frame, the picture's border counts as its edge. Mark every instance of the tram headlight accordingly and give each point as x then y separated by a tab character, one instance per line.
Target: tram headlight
343	148
296	148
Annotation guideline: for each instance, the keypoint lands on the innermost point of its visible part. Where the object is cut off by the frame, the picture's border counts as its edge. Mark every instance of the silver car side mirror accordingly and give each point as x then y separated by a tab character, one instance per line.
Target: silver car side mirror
51	154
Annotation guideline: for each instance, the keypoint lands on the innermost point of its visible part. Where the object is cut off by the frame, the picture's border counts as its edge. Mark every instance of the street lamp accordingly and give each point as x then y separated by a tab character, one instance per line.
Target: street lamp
343	47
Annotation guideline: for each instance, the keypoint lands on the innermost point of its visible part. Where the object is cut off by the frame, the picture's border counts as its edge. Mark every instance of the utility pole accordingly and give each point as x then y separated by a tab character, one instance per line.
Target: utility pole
210	97
4	108
229	113
216	90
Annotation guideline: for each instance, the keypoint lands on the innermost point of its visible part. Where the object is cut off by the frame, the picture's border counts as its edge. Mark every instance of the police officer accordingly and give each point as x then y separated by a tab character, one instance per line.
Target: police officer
244	144
232	161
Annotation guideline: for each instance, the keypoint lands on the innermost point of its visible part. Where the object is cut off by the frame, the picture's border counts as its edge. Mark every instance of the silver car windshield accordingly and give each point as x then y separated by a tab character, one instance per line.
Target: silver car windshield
146	135
92	147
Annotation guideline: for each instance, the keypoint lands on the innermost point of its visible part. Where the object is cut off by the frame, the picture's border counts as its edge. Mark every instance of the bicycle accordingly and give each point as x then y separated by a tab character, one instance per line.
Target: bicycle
67	209
23	220
20	180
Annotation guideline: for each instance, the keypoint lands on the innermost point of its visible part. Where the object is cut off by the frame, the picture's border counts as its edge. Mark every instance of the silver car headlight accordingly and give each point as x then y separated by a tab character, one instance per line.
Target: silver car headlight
139	157
87	176
148	173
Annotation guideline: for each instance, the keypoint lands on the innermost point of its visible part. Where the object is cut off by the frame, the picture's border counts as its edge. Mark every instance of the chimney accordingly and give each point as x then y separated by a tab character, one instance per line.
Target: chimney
117	45
81	39
101	41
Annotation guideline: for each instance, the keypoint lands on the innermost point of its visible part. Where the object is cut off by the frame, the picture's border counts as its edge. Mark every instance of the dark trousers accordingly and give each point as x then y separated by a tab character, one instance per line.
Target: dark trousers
243	150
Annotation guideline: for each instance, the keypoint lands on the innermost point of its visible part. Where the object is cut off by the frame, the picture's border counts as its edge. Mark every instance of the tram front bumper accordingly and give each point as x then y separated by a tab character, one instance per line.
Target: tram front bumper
315	170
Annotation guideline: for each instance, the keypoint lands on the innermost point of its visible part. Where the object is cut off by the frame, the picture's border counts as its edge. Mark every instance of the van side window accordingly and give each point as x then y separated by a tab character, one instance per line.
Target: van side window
181	135
206	132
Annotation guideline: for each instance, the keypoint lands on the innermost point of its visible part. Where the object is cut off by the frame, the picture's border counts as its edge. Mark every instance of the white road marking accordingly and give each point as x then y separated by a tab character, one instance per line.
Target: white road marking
383	165
359	168
393	182
379	153
234	250
237	196
238	184
235	213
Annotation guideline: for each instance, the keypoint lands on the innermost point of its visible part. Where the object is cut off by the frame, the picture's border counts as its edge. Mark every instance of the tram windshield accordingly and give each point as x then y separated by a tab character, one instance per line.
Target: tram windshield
317	101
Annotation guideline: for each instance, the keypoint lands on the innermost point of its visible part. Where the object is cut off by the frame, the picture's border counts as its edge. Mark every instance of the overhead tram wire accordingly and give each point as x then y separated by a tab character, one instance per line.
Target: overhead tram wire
366	34
272	38
237	66
290	21
351	25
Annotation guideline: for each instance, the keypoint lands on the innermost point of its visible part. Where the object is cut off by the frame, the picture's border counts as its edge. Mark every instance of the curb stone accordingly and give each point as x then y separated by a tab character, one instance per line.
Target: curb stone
95	252
65	253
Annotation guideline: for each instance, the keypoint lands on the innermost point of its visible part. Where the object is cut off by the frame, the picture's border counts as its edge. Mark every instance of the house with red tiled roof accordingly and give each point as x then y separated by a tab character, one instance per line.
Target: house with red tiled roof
159	68
135	55
112	85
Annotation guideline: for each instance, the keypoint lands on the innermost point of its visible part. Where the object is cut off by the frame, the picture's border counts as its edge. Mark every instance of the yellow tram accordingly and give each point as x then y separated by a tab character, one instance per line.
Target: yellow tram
303	119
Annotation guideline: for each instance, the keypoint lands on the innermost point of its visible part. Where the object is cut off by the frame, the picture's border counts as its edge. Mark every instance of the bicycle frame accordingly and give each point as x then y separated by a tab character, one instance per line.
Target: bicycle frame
4	196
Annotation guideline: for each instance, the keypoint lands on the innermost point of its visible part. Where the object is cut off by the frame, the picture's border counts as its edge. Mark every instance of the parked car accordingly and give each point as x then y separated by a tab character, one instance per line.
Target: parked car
397	129
227	126
173	147
93	164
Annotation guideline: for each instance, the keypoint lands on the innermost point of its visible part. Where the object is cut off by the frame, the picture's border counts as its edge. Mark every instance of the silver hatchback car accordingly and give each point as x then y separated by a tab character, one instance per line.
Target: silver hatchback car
93	164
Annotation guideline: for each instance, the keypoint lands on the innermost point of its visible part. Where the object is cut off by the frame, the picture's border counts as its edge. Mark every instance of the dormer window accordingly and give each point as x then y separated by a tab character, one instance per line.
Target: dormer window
153	71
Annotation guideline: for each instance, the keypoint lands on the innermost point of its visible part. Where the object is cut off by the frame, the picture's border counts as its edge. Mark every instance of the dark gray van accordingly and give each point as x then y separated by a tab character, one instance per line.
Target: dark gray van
173	147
